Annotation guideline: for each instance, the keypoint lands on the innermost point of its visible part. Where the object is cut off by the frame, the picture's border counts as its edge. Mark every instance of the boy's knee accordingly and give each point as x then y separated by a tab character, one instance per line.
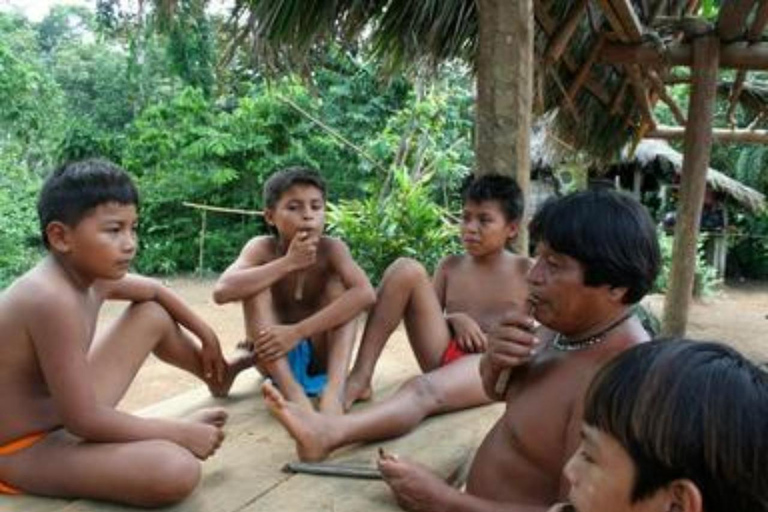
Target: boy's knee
406	269
152	313
174	474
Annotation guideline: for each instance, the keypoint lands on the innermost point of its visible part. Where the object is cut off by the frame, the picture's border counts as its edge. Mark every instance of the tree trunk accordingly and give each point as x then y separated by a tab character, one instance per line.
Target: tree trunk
505	93
693	181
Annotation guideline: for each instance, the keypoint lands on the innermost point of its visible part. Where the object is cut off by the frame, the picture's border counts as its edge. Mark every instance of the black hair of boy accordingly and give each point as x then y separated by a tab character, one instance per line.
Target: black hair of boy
71	191
282	180
609	233
688	410
495	187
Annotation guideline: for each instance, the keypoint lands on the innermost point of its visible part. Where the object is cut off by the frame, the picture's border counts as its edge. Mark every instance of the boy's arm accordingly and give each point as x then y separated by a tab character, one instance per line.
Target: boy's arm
249	275
359	294
61	335
136	288
465	330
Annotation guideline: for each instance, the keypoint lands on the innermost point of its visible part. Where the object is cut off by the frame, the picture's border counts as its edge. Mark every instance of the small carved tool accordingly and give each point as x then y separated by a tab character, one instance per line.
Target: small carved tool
333	469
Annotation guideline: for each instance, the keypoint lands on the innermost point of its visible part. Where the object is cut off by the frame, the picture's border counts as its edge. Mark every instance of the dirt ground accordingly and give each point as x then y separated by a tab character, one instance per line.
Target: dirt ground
737	314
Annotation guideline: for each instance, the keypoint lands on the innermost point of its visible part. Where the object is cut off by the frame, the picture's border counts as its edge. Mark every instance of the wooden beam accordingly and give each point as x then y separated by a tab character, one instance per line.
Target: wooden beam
761	18
559	40
614	21
718	134
693	182
661	90
739	55
583	73
732	22
641	94
628	19
733	98
616	103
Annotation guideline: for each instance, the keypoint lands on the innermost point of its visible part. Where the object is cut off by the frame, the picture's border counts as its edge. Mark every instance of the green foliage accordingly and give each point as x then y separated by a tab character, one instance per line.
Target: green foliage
705	276
404	222
749	254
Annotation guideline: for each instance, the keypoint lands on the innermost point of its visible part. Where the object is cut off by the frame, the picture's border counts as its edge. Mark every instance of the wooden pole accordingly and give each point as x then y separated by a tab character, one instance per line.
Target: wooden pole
743	136
739	55
693	182
201	255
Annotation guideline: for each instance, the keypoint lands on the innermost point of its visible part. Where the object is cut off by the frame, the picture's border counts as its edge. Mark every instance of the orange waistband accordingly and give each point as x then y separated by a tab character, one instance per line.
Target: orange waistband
23	442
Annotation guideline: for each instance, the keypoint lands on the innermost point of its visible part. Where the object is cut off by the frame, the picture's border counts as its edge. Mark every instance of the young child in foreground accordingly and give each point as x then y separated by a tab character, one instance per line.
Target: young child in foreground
60	434
301	293
673	425
446	320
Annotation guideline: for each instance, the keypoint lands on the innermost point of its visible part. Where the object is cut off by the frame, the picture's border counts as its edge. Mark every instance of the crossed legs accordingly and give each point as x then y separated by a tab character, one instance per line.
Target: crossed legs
141	473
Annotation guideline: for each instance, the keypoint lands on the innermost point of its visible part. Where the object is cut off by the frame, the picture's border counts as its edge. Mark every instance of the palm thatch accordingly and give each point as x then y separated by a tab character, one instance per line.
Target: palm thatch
653	150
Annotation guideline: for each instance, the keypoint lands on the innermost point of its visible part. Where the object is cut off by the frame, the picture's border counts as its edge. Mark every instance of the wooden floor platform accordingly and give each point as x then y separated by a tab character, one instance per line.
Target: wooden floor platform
245	474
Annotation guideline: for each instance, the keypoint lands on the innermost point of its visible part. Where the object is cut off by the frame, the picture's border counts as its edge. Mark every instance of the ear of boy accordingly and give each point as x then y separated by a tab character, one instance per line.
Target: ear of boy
684	496
59	237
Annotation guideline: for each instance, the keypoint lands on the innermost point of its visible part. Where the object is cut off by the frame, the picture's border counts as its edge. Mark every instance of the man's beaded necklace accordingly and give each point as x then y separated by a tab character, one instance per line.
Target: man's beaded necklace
564	344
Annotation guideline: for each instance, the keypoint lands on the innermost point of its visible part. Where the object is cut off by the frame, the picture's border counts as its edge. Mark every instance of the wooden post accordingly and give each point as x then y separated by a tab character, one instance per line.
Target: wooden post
201	255
505	93
693	181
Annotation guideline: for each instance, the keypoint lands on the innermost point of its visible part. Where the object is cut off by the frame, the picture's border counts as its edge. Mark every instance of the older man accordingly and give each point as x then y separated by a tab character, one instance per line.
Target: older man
597	255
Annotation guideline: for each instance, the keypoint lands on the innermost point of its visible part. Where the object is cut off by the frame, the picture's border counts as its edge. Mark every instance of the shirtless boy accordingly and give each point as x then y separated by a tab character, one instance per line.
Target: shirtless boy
597	255
301	293
446	322
60	434
674	425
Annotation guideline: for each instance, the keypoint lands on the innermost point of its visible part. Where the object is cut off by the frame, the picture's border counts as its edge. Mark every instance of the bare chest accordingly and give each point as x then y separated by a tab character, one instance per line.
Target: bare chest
486	298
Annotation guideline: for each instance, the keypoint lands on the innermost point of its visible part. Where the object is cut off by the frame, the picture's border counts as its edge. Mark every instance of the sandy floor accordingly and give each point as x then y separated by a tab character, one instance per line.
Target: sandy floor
737	314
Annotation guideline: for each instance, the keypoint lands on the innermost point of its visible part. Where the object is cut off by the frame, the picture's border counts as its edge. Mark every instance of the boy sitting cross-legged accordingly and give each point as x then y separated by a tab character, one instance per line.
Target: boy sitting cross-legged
60	434
446	320
301	293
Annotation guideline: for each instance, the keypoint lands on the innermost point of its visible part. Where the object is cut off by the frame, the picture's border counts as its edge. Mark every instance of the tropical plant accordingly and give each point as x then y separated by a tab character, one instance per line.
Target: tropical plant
705	275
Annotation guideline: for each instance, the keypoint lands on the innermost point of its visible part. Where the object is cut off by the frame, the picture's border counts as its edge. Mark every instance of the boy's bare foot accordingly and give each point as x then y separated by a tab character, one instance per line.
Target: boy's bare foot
308	428
356	390
241	359
215	416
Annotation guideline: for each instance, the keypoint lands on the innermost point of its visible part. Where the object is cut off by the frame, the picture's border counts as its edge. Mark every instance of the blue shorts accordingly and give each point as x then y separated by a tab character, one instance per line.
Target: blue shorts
300	360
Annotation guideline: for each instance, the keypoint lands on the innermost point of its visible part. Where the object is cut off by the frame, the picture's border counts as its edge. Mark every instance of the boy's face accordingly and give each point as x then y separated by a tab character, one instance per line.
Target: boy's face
301	208
562	301
602	475
484	228
102	245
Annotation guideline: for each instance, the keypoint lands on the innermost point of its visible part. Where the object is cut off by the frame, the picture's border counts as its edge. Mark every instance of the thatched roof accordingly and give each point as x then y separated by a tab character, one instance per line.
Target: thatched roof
650	150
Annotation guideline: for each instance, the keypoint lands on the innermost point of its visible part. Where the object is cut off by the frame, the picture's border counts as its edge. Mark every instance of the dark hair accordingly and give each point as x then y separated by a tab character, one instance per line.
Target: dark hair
494	187
609	233
284	179
692	410
75	188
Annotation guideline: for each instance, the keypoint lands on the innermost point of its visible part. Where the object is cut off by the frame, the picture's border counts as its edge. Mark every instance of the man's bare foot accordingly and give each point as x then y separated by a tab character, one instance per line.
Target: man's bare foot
240	360
331	402
356	390
215	416
308	428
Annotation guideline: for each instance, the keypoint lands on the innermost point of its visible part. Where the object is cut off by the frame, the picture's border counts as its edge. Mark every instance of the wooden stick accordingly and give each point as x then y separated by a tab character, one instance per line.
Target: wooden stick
333	469
502	381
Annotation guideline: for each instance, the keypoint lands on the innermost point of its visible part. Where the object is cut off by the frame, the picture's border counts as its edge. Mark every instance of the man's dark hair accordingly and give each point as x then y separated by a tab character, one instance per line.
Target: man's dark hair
284	179
609	233
688	410
494	187
75	188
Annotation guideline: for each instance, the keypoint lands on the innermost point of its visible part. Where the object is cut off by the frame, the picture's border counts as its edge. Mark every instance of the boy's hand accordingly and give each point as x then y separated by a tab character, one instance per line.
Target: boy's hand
469	336
512	342
302	252
212	360
275	341
201	439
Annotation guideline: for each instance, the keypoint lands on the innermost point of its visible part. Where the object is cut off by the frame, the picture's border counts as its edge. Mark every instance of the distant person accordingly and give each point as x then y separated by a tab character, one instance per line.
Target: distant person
447	320
596	256
673	425
301	293
60	434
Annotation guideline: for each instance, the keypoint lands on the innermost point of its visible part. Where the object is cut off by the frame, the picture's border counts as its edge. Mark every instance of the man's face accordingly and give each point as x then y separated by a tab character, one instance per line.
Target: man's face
484	228
104	242
561	299
301	208
601	475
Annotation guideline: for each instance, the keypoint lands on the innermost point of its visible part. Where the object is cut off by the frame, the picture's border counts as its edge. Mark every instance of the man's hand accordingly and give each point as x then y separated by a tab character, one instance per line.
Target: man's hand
469	336
274	341
212	360
512	342
415	488
302	252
